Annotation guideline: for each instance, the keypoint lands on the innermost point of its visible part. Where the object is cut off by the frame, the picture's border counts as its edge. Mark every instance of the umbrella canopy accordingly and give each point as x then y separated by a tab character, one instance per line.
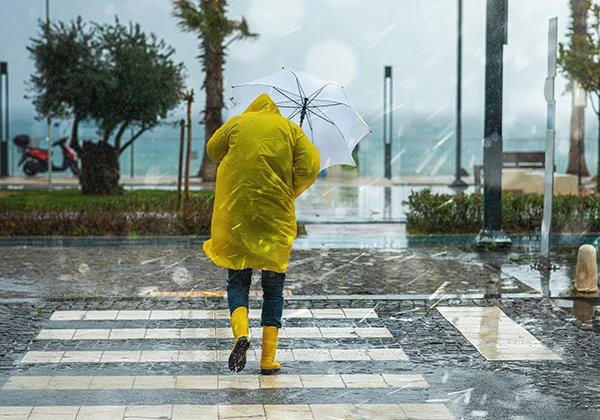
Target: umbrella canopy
321	108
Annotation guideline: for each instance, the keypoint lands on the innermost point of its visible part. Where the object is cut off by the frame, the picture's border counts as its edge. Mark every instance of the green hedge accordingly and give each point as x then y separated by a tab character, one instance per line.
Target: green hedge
455	214
132	213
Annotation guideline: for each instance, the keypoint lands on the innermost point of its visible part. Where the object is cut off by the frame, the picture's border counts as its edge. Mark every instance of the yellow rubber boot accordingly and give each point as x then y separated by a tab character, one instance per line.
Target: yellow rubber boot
239	325
268	365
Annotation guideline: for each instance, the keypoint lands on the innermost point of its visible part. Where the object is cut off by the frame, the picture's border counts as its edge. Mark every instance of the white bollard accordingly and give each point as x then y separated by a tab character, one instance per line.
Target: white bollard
586	279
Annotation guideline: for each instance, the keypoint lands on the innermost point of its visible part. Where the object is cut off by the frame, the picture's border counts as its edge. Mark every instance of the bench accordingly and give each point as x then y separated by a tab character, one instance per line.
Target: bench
526	160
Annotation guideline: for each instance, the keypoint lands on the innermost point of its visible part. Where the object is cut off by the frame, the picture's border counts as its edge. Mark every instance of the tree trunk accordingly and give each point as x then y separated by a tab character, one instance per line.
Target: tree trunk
99	169
213	63
598	170
579	16
74	137
577	130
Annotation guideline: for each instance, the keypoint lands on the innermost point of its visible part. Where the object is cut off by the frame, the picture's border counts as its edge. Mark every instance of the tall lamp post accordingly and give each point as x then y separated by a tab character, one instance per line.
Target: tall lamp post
459	183
49	119
4	137
496	38
388	93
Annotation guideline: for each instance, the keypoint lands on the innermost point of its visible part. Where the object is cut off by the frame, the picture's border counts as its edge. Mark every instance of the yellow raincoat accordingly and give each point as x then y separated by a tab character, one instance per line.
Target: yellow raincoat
266	163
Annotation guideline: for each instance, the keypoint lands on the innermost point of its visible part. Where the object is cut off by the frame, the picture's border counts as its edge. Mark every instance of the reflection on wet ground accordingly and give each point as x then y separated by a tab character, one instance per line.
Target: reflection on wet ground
529	267
584	312
371	200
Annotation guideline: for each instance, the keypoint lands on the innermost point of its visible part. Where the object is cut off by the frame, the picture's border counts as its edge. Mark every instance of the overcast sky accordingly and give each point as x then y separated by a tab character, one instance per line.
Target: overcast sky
345	41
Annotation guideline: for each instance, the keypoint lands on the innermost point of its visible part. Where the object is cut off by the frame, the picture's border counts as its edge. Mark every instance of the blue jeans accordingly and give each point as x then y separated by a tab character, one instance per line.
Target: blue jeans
238	286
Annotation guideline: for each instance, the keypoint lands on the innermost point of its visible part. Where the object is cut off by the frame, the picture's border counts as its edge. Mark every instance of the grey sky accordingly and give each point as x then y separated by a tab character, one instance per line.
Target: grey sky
346	41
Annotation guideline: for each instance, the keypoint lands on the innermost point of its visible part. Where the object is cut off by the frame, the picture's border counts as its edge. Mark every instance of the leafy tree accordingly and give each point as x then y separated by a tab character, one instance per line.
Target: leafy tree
66	57
581	62
215	32
579	13
120	78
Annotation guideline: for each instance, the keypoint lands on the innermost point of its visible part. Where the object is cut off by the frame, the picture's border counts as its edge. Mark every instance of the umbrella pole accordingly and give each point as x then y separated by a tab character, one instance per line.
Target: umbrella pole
303	113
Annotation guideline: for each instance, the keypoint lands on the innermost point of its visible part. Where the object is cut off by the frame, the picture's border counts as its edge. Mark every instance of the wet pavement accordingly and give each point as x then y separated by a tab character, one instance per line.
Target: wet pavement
423	367
374	327
132	271
140	330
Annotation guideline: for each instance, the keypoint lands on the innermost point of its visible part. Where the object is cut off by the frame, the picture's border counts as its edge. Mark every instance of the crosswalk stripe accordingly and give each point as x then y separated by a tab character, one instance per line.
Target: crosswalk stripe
217	382
208	293
149	356
183	333
495	335
108	315
221	412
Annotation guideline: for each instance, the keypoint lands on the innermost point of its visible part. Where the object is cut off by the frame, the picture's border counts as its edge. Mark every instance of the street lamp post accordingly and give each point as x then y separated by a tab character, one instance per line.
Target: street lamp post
387	120
496	38
49	119
4	137
459	183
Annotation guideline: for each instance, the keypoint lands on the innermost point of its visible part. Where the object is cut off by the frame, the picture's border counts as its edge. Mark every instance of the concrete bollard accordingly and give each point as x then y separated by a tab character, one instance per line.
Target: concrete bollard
586	279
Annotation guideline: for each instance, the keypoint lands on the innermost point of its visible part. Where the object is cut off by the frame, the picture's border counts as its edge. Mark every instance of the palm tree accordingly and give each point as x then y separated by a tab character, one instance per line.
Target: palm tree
579	11
216	32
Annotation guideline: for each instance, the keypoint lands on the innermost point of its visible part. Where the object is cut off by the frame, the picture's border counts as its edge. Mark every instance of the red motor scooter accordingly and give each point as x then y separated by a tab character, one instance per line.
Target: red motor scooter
36	160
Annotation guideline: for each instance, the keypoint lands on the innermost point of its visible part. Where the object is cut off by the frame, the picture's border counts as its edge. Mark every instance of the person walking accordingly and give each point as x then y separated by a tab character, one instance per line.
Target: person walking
266	162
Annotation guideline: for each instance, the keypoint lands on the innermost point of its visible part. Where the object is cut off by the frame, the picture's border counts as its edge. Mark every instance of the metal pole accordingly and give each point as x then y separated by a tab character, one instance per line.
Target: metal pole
492	234
49	153
131	157
387	120
579	154
180	166
385	115
4	138
49	120
550	131
391	123
186	198
459	183
2	148
7	127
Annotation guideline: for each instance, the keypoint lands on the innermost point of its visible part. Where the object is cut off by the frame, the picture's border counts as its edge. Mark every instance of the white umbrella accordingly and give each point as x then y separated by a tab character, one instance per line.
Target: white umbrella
321	108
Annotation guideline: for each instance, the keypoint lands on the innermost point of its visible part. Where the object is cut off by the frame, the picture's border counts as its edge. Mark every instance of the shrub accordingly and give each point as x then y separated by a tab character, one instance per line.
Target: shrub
453	214
133	213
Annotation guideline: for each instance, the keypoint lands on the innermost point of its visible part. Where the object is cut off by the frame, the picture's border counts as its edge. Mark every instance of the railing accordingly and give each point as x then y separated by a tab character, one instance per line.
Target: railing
159	156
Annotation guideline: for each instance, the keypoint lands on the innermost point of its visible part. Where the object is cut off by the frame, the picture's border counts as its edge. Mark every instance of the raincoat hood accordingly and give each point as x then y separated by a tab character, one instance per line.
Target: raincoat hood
263	103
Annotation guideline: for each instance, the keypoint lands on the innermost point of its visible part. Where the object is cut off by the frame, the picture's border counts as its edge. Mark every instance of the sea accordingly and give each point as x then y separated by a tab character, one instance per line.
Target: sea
420	147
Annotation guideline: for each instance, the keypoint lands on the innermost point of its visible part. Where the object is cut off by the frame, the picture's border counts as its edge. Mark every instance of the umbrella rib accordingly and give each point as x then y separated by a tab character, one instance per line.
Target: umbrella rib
321	115
316	93
293	114
327	105
325	118
285	92
300	89
266	85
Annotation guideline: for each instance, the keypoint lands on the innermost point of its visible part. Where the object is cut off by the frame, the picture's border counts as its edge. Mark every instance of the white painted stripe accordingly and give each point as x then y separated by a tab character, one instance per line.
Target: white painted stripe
216	382
348	313
222	412
161	333
495	335
144	356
